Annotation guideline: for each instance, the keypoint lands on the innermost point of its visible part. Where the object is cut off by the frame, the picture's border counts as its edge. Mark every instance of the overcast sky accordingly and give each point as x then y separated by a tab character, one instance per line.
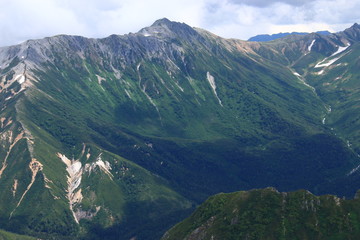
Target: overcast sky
30	19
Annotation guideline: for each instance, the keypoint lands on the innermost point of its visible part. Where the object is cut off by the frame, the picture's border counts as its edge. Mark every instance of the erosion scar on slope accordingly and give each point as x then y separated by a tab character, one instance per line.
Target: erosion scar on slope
35	166
4	164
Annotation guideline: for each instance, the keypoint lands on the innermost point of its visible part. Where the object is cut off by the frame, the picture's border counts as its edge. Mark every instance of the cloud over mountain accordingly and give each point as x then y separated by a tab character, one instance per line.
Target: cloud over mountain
21	20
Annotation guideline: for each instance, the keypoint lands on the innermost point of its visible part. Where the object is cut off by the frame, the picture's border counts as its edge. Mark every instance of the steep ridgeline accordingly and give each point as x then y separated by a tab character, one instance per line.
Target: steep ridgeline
102	138
269	214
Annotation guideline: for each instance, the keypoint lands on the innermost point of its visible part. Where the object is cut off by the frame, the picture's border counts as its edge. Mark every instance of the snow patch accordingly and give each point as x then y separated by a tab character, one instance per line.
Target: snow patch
105	166
211	81
320	73
20	78
127	93
328	109
341	49
303	81
326	63
311	45
296	74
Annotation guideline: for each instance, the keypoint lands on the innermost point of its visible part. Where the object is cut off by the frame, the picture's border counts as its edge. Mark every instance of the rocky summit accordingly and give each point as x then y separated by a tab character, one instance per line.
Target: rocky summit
121	137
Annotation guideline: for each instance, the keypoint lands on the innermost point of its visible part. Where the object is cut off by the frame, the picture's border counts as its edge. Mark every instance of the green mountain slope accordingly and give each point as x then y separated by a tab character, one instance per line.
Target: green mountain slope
269	214
120	137
4	235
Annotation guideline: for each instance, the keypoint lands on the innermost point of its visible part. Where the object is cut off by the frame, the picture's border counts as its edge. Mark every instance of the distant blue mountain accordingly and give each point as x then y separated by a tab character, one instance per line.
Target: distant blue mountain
267	37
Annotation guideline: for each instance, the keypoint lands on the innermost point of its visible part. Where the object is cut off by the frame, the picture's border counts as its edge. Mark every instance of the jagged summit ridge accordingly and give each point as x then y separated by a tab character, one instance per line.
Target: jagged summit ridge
161	29
162	21
164	28
352	33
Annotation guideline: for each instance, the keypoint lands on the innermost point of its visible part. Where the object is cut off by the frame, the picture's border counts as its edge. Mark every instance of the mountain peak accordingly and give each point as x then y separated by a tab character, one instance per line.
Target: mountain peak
162	21
352	32
355	25
170	25
165	28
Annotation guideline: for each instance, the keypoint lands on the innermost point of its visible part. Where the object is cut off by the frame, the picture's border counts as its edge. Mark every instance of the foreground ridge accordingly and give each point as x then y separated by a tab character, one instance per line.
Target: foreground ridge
269	214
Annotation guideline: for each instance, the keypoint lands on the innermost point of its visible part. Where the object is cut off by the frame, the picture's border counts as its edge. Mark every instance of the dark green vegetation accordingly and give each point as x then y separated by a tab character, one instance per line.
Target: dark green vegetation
121	137
269	214
12	236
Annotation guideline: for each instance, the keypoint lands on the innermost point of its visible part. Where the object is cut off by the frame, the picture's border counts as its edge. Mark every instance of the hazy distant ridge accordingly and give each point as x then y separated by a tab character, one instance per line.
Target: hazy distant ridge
267	37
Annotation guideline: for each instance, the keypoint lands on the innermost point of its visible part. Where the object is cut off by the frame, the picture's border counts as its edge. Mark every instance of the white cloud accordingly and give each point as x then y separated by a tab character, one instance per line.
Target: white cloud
27	19
260	16
21	20
265	3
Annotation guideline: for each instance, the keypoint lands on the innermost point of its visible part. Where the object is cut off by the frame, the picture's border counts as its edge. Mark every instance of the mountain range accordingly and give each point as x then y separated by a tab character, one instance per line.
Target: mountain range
124	136
268	37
